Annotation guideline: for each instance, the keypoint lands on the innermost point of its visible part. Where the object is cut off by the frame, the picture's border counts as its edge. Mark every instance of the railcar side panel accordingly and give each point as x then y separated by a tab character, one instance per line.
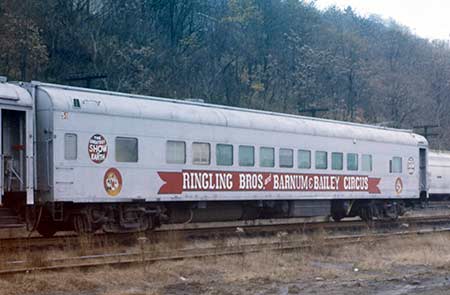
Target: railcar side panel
84	180
439	173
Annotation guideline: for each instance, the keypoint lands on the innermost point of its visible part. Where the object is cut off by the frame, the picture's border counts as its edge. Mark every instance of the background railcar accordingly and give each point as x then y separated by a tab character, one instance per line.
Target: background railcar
124	162
439	175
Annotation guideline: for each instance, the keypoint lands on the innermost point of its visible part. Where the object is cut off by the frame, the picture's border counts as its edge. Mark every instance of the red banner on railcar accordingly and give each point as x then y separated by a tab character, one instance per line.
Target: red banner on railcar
218	181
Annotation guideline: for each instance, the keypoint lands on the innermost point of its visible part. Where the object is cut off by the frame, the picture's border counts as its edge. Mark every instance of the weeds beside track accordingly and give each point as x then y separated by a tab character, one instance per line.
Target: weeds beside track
223	229
240	242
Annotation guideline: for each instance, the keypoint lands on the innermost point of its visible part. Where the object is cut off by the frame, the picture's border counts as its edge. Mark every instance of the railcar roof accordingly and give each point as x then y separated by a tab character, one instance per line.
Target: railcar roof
128	105
439	156
13	94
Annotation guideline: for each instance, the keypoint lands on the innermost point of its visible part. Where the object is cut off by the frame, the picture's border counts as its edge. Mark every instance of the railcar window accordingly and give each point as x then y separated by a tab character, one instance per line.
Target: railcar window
366	163
304	159
224	154
321	160
266	157
70	146
286	158
201	153
396	166
175	152
352	162
337	161
246	155
126	149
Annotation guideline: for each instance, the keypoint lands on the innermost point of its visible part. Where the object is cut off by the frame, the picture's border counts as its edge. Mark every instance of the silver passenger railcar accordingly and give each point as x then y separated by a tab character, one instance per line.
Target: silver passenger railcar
439	175
122	162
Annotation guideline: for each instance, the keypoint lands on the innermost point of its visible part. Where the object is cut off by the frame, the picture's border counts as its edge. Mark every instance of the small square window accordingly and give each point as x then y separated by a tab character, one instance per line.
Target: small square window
366	163
352	162
70	146
337	161
286	158
126	149
201	153
246	155
396	165
267	157
321	160
175	152
224	154
304	159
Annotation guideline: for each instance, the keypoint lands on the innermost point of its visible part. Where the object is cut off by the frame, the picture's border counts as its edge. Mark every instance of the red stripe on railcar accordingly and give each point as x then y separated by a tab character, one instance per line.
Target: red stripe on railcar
197	180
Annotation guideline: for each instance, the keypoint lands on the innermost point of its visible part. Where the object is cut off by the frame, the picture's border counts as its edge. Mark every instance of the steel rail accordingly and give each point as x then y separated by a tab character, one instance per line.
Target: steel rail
118	259
221	229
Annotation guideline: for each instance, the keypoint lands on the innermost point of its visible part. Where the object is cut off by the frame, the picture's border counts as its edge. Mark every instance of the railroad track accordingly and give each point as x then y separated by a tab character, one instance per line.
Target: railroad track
20	240
140	257
438	205
220	229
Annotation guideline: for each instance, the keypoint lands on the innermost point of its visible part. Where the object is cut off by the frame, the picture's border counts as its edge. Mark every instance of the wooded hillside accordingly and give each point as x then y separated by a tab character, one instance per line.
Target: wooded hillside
280	55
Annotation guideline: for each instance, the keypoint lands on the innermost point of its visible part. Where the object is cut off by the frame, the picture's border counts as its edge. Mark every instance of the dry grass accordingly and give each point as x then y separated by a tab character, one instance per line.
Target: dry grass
433	251
319	261
172	240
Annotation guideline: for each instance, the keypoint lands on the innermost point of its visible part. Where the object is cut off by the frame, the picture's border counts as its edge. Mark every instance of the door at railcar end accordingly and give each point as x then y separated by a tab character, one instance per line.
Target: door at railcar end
16	153
16	146
15	157
423	185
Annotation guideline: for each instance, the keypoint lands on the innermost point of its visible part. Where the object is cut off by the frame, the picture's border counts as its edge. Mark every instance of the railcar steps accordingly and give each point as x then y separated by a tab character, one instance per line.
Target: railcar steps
8	219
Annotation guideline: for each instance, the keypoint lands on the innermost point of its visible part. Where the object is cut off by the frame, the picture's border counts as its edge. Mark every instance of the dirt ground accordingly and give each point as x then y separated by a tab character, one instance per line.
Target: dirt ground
418	265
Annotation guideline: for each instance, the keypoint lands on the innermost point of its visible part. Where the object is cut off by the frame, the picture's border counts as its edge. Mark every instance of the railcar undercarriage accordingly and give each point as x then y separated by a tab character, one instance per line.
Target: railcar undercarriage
368	209
89	218
137	217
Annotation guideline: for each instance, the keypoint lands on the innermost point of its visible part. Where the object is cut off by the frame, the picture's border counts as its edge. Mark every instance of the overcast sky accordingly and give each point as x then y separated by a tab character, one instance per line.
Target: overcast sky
426	18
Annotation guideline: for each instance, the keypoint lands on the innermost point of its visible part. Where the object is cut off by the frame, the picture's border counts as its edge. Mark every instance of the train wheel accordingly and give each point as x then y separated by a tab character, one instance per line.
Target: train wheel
366	213
390	211
46	229
337	216
340	209
145	222
82	225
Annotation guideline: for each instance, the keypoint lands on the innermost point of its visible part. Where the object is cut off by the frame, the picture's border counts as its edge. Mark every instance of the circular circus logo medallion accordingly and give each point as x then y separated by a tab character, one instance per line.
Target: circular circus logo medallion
398	185
112	182
411	166
98	148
